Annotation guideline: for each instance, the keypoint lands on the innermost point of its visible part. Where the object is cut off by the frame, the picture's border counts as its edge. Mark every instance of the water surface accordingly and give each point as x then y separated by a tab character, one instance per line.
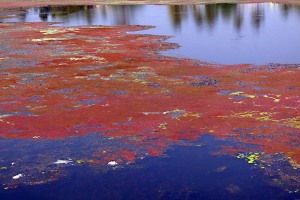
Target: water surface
188	172
219	33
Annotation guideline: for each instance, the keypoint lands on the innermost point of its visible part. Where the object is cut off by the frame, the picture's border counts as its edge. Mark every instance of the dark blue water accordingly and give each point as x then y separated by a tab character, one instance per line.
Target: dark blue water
186	172
219	33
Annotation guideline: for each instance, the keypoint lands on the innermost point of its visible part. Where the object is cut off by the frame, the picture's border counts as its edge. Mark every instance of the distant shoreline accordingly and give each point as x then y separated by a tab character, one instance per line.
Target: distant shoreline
31	3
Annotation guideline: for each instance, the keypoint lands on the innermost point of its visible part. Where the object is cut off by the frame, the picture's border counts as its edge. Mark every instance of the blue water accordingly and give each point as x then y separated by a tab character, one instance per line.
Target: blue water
218	33
186	172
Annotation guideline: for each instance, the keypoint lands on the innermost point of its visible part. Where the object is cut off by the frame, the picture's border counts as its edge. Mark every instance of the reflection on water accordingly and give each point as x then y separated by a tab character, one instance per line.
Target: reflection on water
222	33
87	15
58	11
202	14
257	16
177	13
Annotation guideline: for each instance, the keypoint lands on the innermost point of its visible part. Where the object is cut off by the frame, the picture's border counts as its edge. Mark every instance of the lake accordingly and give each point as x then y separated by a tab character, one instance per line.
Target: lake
219	33
89	112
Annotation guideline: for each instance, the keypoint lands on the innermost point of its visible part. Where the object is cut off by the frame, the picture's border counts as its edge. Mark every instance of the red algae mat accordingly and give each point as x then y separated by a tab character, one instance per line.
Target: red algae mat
59	82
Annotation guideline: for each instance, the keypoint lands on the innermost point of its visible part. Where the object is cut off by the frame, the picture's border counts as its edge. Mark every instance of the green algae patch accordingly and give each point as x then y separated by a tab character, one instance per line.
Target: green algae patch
250	157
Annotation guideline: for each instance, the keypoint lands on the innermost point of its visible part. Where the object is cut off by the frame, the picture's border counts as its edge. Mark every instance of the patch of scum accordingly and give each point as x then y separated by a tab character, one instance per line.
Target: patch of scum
139	102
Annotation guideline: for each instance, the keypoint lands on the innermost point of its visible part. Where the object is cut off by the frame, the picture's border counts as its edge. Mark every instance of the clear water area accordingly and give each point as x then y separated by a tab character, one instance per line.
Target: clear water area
188	172
218	33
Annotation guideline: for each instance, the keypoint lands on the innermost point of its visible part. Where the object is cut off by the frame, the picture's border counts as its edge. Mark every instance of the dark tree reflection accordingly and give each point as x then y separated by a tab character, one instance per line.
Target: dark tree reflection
206	14
44	13
238	18
123	14
287	9
178	13
257	15
198	15
211	13
227	10
64	11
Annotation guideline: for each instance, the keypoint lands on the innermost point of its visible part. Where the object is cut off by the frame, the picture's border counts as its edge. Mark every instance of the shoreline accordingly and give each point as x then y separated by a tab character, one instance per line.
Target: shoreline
34	3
